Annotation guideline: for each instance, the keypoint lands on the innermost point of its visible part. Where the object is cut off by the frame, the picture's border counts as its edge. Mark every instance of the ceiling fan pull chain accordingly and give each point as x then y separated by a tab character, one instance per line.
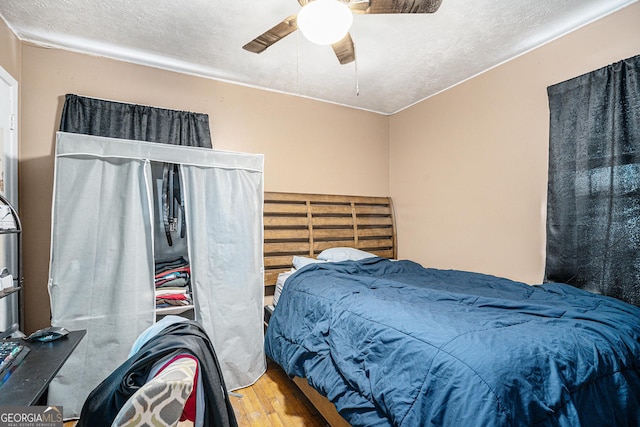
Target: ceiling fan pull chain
357	81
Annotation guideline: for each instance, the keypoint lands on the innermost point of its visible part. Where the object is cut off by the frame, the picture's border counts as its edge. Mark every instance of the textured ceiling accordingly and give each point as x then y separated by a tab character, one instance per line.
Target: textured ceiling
401	59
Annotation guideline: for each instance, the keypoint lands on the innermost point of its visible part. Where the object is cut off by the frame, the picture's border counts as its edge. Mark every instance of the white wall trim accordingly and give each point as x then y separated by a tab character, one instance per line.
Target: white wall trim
10	154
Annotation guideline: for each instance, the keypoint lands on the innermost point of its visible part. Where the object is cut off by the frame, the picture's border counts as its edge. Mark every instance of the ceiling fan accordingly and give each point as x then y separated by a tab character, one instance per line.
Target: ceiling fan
344	48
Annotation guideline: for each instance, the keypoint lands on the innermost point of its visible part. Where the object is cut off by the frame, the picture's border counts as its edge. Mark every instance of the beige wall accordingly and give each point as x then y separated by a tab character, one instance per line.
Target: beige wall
9	51
469	166
309	146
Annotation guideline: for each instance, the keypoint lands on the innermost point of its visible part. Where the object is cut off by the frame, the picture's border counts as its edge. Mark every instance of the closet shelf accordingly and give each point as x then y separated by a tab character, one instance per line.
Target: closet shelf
173	310
10	225
9	291
9	230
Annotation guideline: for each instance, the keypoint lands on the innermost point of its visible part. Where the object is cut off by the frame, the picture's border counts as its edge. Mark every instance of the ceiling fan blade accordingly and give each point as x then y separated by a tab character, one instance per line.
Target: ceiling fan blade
266	39
403	6
358	6
344	50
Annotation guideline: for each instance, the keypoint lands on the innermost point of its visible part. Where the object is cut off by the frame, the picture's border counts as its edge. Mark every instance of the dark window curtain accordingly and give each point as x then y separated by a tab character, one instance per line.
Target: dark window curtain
98	117
593	210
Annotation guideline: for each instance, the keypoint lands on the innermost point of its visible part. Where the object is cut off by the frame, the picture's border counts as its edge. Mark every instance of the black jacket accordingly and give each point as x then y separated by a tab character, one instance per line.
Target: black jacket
105	401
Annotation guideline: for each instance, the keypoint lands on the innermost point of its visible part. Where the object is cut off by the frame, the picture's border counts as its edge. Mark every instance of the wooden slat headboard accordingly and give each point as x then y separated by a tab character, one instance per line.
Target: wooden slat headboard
306	224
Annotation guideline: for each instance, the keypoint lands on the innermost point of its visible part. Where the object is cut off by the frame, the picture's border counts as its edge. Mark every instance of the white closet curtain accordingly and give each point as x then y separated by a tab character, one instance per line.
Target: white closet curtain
226	282
101	270
102	261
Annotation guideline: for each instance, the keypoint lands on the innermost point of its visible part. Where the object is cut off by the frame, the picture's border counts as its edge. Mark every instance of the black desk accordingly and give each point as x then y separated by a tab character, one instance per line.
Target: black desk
29	382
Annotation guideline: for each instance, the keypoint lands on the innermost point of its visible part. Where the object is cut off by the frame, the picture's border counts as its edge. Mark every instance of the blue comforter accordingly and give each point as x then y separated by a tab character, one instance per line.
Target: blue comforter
393	343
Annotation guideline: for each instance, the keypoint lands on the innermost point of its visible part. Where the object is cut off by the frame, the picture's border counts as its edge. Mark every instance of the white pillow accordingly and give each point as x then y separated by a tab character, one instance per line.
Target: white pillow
301	261
344	254
282	277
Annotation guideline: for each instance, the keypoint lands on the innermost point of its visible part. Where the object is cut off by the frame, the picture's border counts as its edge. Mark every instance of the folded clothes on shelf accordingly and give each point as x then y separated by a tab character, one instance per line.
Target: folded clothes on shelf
172	282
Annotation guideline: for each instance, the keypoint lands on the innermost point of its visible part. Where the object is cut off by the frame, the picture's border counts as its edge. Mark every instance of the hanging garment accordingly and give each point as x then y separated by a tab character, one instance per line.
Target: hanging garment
172	207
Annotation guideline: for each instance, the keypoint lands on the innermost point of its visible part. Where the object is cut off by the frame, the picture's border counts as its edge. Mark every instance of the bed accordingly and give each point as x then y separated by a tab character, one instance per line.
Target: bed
393	343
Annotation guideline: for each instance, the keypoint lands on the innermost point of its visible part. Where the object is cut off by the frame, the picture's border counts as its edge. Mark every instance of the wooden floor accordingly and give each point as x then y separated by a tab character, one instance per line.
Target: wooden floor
272	401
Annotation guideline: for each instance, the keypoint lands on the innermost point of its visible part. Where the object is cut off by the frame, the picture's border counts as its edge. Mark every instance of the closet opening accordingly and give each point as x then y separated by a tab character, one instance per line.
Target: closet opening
173	291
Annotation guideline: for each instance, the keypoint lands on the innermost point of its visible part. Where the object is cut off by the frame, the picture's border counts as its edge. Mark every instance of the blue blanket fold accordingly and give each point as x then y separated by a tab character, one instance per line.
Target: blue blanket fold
393	343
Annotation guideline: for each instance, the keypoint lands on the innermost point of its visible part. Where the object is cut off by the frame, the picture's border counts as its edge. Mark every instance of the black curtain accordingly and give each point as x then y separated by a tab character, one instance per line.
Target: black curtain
98	117
593	209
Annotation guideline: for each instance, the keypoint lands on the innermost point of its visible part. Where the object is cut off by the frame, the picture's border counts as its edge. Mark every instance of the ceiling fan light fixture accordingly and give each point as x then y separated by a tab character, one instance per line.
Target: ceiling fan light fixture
325	22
